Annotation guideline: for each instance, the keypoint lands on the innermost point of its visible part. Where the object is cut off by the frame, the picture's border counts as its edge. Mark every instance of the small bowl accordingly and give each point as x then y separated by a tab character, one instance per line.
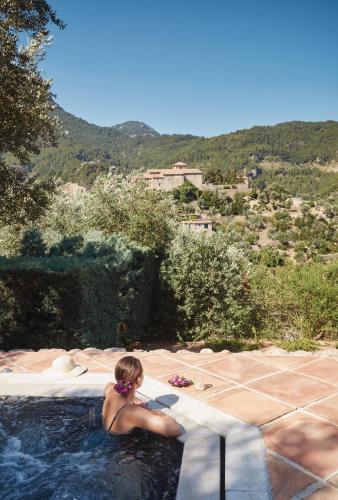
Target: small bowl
179	381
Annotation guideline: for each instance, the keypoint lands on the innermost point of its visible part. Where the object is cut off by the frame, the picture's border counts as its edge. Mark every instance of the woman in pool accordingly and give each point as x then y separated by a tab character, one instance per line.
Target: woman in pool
122	412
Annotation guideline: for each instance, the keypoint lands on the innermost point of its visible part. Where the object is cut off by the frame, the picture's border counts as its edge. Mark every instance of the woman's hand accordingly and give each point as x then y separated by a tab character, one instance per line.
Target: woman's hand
137	401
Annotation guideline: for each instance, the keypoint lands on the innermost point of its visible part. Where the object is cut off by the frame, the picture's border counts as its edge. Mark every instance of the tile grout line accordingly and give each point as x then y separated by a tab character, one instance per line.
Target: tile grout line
317	379
319	417
293	464
323	399
330	476
288	370
301	409
239	386
312	488
305	363
319	480
105	365
282	417
256	391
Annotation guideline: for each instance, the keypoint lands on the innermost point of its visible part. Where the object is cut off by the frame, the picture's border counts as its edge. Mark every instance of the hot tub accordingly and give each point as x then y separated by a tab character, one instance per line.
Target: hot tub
55	448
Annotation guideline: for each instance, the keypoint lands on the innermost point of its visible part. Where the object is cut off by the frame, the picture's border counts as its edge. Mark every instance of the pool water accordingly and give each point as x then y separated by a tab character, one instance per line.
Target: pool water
57	449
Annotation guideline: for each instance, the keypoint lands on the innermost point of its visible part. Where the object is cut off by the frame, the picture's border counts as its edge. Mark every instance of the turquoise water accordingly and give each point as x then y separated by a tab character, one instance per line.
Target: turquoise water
56	449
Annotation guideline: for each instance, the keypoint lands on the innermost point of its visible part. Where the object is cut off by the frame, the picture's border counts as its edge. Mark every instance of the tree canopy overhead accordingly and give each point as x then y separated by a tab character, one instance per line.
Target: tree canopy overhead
26	122
25	96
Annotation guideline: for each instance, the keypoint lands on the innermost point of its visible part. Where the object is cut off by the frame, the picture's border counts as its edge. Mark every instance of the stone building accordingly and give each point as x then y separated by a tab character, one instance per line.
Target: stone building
173	177
198	225
73	188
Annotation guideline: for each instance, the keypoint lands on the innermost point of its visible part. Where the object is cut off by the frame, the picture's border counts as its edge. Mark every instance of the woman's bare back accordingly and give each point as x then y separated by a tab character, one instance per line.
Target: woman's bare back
114	412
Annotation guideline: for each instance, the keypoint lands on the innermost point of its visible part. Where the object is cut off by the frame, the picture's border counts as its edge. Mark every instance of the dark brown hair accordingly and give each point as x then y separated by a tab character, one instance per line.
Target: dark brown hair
128	369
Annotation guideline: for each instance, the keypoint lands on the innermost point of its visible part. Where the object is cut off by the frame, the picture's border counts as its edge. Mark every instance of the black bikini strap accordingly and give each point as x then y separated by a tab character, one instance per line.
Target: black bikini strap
118	411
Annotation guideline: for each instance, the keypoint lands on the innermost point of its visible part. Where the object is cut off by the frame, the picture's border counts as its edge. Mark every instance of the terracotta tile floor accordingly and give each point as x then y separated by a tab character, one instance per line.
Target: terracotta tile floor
325	493
261	388
8	363
195	358
306	440
334	481
283	362
327	408
297	480
156	365
238	368
252	407
324	369
294	388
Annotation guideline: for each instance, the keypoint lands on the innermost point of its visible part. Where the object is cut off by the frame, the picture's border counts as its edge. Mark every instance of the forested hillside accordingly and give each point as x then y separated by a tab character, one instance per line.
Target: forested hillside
84	149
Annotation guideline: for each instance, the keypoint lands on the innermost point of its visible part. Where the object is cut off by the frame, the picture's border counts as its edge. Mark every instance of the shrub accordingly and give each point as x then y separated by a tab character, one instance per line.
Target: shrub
32	244
102	296
298	345
302	298
206	276
233	345
270	257
10	240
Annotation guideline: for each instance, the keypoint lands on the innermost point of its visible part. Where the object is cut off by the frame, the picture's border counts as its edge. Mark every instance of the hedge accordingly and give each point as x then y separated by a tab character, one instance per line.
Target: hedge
77	301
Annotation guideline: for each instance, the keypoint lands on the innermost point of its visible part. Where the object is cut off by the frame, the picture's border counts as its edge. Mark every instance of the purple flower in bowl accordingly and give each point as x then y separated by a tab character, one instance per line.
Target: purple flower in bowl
180	381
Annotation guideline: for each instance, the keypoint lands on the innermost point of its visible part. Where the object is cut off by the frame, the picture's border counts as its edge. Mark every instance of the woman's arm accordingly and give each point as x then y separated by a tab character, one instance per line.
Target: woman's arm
155	421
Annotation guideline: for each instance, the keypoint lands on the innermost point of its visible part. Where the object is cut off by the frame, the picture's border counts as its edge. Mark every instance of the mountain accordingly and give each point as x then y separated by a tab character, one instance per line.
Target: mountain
81	129
84	149
133	129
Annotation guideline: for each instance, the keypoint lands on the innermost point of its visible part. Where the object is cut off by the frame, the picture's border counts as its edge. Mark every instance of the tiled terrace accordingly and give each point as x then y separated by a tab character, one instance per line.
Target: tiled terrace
293	398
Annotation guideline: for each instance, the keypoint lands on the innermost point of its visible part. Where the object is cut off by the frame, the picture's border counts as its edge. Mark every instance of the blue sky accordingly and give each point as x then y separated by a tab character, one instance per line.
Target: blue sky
196	66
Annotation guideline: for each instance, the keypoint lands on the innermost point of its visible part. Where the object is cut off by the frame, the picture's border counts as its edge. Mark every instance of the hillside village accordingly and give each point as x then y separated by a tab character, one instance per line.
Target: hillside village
266	219
261	219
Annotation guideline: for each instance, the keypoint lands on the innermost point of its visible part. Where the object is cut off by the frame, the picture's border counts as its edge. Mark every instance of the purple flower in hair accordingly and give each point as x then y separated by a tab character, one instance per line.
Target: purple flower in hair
123	387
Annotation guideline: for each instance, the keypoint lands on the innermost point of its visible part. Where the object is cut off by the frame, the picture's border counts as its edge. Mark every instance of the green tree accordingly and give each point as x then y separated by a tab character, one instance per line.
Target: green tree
26	122
25	96
206	275
238	205
122	206
186	193
23	199
214	175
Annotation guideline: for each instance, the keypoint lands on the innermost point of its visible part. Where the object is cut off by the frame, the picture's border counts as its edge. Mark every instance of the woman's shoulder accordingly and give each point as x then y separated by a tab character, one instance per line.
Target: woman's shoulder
136	411
108	388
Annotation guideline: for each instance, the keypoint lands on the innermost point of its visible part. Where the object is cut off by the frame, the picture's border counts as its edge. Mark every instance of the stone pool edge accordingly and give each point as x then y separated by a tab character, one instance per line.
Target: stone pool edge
246	473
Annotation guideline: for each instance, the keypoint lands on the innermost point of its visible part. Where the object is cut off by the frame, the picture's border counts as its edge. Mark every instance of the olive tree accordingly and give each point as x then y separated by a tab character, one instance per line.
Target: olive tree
25	96
122	205
208	279
26	105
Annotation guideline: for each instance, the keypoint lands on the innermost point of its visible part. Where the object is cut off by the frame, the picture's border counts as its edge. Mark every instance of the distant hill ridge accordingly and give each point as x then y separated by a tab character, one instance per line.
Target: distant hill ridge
79	127
86	149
